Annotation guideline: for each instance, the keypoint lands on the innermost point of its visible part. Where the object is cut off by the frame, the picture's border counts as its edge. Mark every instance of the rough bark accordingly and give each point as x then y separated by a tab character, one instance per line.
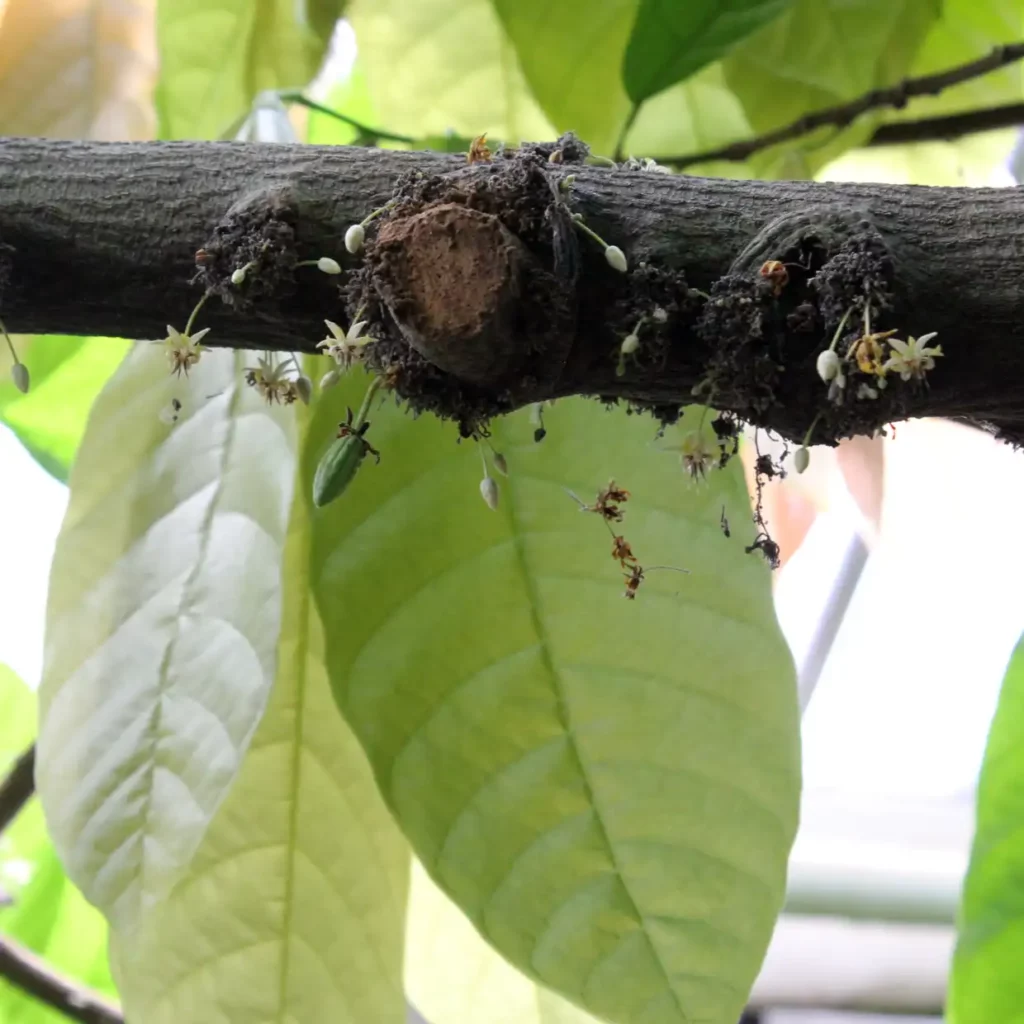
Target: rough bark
102	240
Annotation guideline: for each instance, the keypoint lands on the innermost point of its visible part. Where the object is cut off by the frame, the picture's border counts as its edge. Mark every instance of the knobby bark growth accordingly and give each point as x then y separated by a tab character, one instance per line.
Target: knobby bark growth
483	296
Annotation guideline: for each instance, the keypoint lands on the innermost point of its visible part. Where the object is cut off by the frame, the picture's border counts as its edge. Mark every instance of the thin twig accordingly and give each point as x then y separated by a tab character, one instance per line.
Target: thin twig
364	131
949	126
29	973
844	114
17	788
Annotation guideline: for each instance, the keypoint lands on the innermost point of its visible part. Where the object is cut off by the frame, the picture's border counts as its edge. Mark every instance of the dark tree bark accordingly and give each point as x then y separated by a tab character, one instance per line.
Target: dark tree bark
102	240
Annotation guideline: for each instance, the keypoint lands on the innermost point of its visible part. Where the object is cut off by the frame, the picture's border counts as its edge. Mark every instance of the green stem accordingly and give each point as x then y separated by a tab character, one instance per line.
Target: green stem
578	221
839	329
10	344
195	312
627	126
365	407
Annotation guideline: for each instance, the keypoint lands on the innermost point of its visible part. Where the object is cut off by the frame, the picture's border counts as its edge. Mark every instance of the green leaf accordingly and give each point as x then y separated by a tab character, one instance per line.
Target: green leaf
436	65
216	55
66	374
608	789
671	41
571	53
985	981
819	53
966	30
47	913
294	907
453	976
162	622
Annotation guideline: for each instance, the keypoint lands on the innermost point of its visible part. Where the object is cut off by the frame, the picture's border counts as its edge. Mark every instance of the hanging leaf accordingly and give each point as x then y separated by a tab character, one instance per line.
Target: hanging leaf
985	981
162	622
294	907
608	789
671	41
216	55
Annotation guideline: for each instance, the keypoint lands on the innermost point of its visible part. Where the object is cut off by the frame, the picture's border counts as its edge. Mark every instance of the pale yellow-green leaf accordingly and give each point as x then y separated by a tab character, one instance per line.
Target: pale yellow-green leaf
607	788
217	55
435	65
571	52
452	975
78	68
294	907
819	53
162	622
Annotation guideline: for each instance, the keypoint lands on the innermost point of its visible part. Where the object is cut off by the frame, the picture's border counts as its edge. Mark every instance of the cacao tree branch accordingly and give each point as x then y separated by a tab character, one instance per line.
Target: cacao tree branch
17	788
100	239
949	127
32	975
844	114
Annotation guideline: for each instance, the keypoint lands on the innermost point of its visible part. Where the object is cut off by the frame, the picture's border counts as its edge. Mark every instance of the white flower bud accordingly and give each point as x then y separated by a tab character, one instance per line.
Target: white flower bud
500	464
801	459
238	276
489	491
304	388
829	365
659	316
329	266
329	379
630	343
616	258
355	237
19	374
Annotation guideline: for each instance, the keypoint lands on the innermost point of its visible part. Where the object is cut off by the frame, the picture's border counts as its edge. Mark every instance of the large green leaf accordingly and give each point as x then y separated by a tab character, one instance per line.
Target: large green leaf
966	30
671	40
819	53
67	375
293	909
571	53
986	982
162	622
47	914
216	55
436	65
608	789
453	976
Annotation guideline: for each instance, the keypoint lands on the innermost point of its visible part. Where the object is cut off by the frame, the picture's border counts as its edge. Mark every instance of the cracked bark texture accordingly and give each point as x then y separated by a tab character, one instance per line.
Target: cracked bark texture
103	237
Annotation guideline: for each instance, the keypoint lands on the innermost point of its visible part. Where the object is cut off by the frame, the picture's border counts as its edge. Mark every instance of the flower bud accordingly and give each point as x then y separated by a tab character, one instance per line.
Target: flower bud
329	266
828	365
19	374
630	343
659	316
616	258
304	388
355	237
500	464
329	379
238	276
801	459
489	491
